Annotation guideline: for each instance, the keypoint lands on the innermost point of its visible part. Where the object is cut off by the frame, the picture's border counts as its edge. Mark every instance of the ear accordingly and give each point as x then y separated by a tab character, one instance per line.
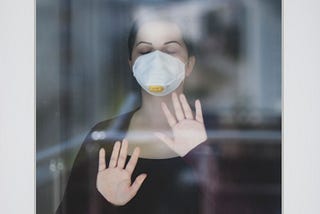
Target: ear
190	65
130	64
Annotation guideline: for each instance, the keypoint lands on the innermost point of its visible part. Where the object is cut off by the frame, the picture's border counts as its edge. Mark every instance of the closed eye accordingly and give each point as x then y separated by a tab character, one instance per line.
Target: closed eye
170	52
144	52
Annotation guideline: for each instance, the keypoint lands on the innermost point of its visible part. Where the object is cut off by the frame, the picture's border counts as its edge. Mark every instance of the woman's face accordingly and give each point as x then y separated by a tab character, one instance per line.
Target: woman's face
162	36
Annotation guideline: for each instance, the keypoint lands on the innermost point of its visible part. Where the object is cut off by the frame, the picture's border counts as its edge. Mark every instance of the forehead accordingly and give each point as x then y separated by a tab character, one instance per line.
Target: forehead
159	31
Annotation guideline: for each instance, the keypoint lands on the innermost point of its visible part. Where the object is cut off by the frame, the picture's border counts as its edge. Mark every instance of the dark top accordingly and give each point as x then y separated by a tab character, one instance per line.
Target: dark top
174	185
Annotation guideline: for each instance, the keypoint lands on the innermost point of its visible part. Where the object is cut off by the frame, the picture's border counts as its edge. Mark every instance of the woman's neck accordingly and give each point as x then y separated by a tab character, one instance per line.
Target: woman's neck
147	120
152	112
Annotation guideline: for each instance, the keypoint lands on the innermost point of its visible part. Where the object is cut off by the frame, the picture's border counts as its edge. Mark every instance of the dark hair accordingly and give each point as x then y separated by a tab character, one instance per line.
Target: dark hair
133	35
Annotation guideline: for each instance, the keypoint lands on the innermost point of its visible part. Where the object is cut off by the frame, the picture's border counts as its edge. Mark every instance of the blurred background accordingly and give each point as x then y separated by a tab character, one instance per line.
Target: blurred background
82	77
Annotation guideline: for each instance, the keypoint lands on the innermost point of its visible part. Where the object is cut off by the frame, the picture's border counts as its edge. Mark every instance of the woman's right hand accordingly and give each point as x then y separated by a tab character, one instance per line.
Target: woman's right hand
114	182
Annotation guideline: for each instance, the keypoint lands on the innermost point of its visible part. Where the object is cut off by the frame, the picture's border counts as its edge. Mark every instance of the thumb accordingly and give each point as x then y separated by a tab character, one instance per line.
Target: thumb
164	138
137	184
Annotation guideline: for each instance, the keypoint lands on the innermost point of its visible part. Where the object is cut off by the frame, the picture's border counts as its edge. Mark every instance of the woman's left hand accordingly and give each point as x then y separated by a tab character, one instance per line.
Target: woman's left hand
188	129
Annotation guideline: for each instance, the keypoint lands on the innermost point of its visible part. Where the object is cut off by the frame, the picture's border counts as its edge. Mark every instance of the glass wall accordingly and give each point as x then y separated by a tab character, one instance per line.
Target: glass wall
83	77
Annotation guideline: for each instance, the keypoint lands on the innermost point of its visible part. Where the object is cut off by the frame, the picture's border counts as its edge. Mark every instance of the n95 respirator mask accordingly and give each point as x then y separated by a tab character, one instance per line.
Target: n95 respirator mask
159	73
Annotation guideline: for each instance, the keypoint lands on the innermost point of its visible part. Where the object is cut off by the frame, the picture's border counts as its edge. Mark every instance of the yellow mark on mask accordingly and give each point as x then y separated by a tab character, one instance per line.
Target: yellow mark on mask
156	88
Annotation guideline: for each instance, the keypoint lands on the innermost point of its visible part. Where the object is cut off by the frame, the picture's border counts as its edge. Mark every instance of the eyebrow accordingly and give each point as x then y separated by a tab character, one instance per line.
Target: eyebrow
142	42
166	43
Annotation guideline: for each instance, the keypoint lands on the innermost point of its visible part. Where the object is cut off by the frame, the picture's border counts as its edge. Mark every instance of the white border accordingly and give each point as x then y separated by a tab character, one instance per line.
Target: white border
301	96
301	117
17	107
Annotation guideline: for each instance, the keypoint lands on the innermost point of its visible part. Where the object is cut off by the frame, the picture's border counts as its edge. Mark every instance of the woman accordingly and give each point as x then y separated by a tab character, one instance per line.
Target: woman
164	134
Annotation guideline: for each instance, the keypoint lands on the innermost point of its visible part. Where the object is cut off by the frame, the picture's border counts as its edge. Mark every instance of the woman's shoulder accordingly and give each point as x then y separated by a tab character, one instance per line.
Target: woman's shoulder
106	132
116	121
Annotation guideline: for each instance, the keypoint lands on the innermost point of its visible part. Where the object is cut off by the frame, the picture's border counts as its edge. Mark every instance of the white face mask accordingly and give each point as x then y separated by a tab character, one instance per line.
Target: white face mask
159	73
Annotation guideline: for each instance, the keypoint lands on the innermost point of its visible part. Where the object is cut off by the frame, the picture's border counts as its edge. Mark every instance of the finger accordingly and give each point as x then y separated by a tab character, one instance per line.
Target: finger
164	138
114	155
186	107
133	160
123	154
199	116
137	184
170	118
177	107
102	159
